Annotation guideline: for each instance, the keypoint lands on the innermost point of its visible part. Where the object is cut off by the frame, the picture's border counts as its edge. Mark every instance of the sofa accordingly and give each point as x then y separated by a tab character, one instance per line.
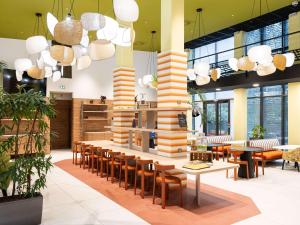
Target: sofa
267	145
219	140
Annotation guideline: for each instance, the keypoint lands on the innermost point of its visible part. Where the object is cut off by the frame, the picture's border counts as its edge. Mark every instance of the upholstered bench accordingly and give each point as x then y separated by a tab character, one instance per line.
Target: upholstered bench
219	140
269	154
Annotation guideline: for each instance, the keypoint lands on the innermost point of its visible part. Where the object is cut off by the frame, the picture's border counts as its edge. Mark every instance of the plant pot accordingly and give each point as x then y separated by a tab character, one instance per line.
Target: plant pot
21	211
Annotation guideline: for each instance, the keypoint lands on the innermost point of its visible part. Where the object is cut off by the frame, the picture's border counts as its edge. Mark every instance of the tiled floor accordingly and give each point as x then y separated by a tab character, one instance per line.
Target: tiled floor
69	201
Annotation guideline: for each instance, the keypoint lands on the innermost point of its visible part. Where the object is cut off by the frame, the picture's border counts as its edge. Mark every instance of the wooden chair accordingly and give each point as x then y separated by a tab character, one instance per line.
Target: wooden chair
168	178
93	157
144	170
76	150
111	164
84	155
127	165
101	160
236	160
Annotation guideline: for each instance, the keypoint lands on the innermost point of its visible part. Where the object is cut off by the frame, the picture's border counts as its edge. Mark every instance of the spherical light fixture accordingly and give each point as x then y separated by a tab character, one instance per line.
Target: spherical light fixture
63	54
290	59
92	21
279	61
233	63
140	82
68	32
265	70
245	64
201	68
85	40
36	44
126	10
19	75
259	53
48	71
215	74
191	74
110	30
51	22
56	76
123	37
23	64
101	49
48	59
83	62
147	79
202	80
36	73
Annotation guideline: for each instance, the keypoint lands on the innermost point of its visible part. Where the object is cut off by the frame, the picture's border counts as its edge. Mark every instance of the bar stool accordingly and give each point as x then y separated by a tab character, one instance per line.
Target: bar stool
113	162
144	170
128	163
169	179
76	150
101	160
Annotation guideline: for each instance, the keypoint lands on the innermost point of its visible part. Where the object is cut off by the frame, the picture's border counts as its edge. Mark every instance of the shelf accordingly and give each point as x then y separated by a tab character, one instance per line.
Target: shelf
88	104
152	109
150	130
104	111
96	119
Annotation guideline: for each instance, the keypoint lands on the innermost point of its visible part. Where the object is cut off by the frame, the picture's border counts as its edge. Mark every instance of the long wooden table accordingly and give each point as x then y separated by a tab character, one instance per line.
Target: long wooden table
178	162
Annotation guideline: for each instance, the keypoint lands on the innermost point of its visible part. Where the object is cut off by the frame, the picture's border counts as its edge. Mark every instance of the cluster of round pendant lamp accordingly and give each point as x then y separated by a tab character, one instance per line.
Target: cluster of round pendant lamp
261	60
74	46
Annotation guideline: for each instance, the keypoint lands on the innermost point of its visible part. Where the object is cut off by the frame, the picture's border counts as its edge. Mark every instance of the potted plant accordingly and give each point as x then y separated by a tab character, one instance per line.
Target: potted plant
23	160
258	132
2	66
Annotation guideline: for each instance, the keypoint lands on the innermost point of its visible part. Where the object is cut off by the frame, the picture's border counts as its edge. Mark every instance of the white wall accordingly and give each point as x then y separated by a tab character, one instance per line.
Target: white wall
89	83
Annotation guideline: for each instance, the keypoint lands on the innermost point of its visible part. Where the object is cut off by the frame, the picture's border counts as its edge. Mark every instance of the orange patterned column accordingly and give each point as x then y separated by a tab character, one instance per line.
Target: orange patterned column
124	93
172	93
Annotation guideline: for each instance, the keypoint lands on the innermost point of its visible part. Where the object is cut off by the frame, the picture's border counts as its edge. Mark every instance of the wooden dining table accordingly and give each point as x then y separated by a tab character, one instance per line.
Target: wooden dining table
178	162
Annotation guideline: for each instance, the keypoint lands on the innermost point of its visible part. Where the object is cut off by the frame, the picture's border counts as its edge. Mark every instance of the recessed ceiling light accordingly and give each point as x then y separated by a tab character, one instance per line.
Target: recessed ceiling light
218	89
232	15
255	85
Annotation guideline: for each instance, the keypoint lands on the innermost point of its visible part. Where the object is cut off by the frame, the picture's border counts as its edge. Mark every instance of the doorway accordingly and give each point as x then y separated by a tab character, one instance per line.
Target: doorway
217	117
61	124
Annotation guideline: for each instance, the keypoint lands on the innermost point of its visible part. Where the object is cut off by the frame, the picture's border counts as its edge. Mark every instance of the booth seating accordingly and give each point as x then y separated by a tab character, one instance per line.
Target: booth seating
219	140
269	154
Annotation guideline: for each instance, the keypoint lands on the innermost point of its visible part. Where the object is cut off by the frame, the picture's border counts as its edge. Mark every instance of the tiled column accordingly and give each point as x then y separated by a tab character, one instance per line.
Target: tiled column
172	79
239	41
240	114
124	92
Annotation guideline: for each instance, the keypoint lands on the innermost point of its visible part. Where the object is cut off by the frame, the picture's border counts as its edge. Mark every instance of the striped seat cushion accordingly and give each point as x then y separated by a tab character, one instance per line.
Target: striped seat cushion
266	144
218	139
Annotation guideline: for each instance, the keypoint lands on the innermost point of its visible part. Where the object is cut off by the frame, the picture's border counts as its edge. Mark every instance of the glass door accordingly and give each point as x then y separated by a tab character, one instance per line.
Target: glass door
217	114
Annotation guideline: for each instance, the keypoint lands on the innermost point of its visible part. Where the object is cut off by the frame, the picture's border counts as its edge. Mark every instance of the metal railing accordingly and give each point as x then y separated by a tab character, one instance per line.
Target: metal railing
224	66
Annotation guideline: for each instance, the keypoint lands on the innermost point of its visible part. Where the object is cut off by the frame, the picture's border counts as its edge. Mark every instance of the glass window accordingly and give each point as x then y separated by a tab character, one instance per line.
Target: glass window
272	90
225	45
254	92
253	37
253	114
272	31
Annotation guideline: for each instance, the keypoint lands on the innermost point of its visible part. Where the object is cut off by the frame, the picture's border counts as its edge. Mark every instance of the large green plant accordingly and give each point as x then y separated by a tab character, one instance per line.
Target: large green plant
30	167
258	132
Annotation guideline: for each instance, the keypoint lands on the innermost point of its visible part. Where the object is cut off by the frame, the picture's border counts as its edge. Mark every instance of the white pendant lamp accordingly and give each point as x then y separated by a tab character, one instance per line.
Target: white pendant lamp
40	63
140	82
48	71
79	51
265	70
36	44
83	62
73	63
126	10
290	59
201	68
68	32
85	40
92	21
123	37
19	75
147	79
259	53
110	30
233	63
51	22
101	49
202	80
267	60
191	74
23	64
36	73
48	59
56	76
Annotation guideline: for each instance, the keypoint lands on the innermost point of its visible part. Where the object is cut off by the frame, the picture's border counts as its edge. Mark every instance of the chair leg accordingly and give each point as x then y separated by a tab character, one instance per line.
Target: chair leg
235	174
120	176
247	167
153	194
263	166
181	196
283	162
256	167
97	167
107	170
135	181
126	178
163	195
76	158
226	173
73	157
101	168
142	185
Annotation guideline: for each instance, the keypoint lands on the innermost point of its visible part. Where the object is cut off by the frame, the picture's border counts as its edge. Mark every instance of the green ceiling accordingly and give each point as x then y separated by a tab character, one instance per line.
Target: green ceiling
17	16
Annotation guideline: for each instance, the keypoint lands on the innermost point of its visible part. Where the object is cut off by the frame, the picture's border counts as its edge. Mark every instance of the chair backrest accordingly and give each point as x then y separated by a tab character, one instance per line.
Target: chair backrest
218	139
102	151
162	168
265	144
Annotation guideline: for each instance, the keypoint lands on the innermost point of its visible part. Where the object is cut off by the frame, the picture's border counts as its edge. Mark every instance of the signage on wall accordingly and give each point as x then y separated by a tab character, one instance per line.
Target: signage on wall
182	120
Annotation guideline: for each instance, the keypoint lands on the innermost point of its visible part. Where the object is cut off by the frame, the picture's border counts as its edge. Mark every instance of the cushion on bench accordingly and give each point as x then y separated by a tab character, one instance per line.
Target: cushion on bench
270	155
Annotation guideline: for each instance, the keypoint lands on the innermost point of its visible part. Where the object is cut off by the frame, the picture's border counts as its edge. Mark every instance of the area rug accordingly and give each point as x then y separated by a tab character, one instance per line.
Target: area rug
218	206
